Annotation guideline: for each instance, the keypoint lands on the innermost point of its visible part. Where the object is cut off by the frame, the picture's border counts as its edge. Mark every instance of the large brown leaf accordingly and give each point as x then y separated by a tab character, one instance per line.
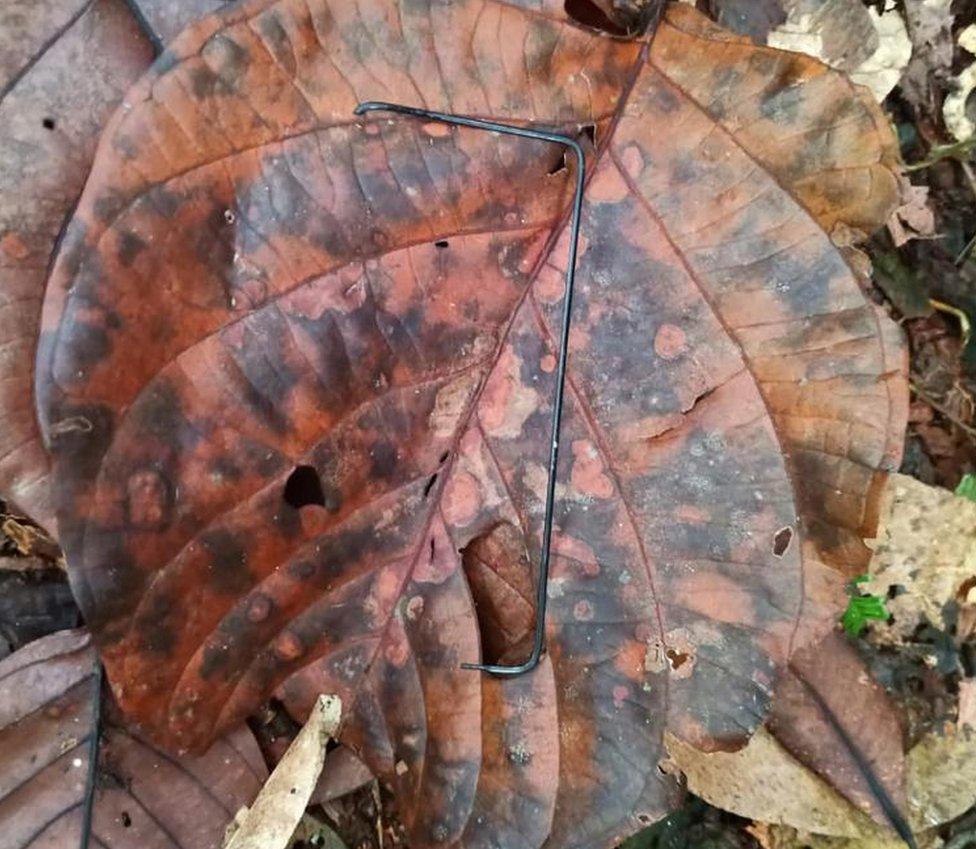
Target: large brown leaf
144	798
64	66
256	281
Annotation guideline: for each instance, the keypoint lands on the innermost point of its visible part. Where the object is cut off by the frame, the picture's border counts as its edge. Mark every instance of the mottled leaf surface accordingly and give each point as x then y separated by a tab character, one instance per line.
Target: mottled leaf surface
145	799
64	66
256	282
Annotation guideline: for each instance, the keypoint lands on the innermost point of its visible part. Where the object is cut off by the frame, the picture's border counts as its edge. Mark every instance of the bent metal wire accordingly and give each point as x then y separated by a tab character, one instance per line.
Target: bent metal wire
557	410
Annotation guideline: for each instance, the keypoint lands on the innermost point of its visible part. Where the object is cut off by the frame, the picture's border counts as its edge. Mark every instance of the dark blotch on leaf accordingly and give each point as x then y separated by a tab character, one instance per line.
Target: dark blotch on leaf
130	246
228	570
383	461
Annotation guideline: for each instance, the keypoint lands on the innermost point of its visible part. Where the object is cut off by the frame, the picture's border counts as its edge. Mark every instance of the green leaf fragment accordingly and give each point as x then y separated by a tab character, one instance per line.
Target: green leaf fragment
862	608
967	487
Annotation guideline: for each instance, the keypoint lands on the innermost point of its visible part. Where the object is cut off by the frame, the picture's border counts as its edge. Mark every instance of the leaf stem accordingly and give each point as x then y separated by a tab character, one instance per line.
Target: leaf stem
93	745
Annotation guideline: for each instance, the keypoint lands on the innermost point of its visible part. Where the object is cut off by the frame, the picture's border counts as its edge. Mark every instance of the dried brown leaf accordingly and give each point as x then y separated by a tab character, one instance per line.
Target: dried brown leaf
342	773
924	556
930	28
64	65
271	820
833	717
764	782
144	798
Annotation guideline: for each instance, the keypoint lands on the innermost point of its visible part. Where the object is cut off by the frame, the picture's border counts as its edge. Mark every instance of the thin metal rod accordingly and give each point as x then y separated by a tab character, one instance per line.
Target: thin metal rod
557	410
93	743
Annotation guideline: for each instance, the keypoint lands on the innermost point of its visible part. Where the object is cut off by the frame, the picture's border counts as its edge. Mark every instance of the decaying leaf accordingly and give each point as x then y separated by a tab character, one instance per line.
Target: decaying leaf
832	716
29	540
839	32
787	837
314	358
271	821
754	18
766	783
954	112
873	47
144	798
942	787
921	547
930	28
64	65
942	776
924	556
342	773
914	218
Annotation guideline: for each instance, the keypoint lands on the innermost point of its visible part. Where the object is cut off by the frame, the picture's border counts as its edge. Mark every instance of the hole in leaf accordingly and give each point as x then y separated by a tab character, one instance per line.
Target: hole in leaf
441	243
677	659
304	487
500	577
125	819
48	124
432	549
782	540
559	165
444	456
430	484
589	130
587	13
